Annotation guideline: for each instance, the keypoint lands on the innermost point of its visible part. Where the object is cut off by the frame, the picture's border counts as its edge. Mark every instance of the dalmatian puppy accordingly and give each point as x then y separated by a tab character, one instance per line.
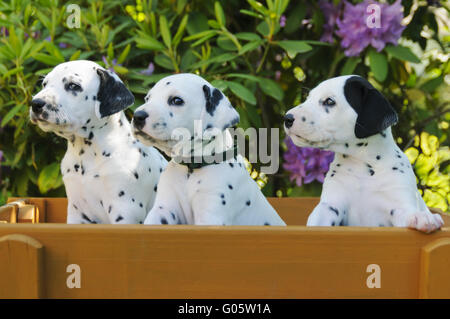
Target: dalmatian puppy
109	176
370	181
218	191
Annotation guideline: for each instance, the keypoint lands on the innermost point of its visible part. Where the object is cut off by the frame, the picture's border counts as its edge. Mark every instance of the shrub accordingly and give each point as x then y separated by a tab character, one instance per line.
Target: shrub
264	56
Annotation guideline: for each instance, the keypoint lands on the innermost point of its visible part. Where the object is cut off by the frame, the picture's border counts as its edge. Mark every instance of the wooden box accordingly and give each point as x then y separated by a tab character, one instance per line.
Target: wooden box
41	257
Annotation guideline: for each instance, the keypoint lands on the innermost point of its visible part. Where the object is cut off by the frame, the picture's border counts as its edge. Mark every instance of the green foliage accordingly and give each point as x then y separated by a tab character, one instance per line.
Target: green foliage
261	66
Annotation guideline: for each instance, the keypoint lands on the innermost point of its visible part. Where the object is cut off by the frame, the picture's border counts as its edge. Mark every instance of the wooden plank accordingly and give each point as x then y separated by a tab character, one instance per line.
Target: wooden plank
293	210
21	267
140	261
435	269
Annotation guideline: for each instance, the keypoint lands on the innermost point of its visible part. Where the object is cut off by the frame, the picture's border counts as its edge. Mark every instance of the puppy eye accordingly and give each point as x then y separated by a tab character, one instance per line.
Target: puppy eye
147	98
44	84
73	86
329	102
175	100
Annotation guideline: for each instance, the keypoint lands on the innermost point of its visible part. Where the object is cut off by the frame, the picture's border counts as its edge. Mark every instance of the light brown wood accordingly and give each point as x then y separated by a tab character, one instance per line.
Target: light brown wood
8	214
21	267
140	261
293	210
435	269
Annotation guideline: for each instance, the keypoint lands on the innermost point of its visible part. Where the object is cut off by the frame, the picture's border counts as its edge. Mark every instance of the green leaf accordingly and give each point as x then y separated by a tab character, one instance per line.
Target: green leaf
164	61
270	87
197	23
378	65
220	16
165	31
431	85
48	178
249	36
47	59
8	117
75	56
250	46
242	92
220	84
124	54
292	47
402	53
251	13
180	31
225	43
349	66
144	41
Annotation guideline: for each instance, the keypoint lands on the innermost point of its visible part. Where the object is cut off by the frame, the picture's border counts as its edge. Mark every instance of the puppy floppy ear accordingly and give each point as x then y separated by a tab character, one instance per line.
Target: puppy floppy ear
375	113
113	96
218	112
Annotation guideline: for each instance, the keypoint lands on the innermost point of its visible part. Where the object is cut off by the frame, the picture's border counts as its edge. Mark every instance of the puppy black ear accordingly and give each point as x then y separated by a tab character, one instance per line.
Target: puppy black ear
219	111
113	96
375	113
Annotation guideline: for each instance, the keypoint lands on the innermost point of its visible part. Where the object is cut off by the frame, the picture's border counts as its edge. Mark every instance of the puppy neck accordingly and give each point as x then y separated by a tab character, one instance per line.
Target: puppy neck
102	137
368	150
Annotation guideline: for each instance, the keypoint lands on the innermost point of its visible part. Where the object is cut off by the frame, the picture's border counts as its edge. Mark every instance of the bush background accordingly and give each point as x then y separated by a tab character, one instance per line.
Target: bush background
239	46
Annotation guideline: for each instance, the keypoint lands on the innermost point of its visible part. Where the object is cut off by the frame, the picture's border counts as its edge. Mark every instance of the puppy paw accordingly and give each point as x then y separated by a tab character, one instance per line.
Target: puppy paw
424	221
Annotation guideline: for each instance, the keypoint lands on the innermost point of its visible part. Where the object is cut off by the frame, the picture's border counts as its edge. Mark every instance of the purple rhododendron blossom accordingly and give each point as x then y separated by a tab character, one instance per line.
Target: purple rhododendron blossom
331	14
283	21
306	164
149	70
355	32
111	66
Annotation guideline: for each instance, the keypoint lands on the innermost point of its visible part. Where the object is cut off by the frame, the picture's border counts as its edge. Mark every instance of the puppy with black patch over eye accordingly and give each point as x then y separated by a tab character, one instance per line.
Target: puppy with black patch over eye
206	182
370	181
106	171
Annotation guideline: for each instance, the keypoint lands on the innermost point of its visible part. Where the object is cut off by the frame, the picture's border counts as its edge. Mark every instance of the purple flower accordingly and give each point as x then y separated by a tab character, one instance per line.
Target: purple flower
149	70
283	21
63	45
331	14
1	156
306	164
4	31
110	66
357	33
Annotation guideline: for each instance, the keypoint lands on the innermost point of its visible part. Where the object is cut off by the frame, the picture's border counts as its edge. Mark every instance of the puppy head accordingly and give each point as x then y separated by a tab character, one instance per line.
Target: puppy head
77	93
338	110
177	102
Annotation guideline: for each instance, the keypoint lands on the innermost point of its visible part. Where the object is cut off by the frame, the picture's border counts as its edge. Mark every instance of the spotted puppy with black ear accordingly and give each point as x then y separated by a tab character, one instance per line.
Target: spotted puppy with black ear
206	182
109	176
370	181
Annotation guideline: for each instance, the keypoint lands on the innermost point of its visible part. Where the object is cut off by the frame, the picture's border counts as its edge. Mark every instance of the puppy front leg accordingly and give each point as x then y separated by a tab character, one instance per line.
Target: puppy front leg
212	209
325	214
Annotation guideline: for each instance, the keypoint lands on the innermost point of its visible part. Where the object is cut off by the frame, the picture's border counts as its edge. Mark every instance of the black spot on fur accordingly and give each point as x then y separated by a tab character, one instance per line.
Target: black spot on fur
136	175
212	99
121	193
334	210
109	209
164	221
378	157
392	212
86	218
266	224
230	186
155	188
248	203
231	164
224	202
119	218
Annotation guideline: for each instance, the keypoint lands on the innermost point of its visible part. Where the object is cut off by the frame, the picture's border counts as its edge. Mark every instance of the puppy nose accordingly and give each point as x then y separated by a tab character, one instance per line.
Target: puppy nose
139	119
37	105
288	120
